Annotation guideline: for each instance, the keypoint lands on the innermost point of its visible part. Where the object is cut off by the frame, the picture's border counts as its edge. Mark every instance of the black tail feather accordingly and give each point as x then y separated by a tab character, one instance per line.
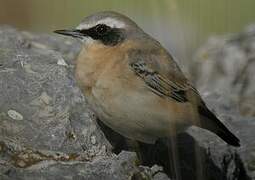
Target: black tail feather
211	122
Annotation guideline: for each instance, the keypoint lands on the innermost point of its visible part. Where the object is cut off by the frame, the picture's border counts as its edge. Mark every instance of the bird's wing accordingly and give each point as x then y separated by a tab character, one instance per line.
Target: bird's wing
166	79
170	84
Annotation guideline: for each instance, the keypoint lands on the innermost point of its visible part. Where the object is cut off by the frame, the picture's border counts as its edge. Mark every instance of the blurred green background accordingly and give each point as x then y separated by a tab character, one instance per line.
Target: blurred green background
180	25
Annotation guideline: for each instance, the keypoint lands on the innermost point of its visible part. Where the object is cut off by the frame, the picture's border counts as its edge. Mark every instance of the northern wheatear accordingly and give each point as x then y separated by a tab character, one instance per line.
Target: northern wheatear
134	85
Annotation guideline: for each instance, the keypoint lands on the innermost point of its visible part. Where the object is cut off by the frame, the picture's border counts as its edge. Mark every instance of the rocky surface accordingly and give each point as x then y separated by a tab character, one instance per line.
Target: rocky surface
226	65
46	129
226	162
48	132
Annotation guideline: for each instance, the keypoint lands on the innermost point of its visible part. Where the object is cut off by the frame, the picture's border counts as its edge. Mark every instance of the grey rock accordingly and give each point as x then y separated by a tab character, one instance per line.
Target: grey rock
46	128
224	71
221	161
226	65
41	108
118	167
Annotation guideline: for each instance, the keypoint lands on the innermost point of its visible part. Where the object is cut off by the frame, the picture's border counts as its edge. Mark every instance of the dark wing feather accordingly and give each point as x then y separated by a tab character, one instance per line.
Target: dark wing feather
159	84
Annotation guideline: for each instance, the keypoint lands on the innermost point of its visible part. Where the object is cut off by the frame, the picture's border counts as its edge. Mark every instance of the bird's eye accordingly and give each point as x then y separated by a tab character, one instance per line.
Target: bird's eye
102	29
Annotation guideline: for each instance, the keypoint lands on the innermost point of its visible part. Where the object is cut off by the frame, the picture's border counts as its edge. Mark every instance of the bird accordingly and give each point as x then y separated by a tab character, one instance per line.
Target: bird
134	85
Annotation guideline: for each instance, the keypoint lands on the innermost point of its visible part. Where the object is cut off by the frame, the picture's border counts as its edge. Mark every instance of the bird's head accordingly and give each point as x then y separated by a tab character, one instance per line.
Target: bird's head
107	28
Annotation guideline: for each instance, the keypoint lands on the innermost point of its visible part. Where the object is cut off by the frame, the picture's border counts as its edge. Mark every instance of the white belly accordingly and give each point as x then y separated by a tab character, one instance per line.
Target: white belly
136	114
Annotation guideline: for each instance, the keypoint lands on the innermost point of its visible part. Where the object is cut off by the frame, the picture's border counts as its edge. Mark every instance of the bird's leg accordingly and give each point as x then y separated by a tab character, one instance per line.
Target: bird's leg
117	141
146	153
163	153
171	162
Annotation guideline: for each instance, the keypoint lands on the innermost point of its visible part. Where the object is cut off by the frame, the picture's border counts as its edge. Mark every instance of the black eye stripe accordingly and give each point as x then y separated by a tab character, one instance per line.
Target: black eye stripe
99	30
104	33
84	31
102	28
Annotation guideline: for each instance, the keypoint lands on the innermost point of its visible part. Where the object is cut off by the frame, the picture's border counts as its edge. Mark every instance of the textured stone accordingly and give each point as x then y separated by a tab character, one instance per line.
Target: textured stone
226	65
46	129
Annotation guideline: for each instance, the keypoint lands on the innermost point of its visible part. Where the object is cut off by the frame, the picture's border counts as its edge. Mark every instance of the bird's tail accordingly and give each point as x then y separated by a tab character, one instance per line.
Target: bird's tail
212	123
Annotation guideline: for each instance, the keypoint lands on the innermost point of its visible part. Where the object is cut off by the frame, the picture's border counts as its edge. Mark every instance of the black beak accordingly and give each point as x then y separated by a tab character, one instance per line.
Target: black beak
73	33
